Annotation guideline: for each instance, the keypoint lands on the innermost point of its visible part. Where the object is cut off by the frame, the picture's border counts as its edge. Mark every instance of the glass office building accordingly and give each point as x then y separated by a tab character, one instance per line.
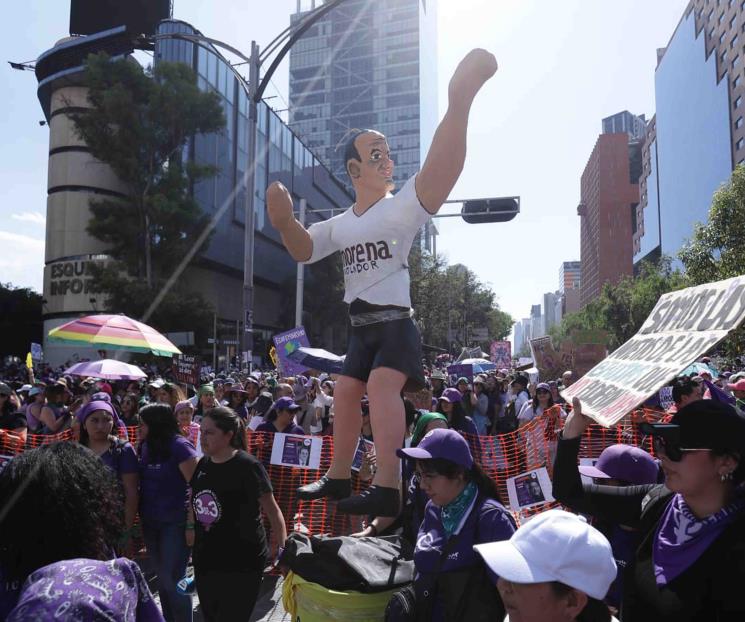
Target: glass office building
693	141
281	155
367	65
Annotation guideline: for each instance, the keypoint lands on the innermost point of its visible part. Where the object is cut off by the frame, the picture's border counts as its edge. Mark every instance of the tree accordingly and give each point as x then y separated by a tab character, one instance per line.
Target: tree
622	308
717	249
20	319
449	299
140	124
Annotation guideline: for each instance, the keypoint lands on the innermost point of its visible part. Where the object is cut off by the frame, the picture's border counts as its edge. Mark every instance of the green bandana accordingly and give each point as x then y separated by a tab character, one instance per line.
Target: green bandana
424	420
454	511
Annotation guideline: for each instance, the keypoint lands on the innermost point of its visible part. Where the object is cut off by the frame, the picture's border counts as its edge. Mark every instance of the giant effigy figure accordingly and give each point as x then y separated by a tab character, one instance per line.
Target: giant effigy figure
374	236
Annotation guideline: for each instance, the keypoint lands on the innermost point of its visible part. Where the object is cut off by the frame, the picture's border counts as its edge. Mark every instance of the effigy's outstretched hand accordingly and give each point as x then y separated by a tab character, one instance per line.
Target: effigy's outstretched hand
471	74
279	206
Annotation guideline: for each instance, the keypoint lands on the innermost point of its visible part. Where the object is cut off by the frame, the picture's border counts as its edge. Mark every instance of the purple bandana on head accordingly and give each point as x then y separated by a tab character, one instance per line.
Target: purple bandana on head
87	590
682	538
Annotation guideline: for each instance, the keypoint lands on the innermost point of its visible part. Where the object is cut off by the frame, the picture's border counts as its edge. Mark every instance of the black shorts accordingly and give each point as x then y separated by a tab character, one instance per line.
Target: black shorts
395	344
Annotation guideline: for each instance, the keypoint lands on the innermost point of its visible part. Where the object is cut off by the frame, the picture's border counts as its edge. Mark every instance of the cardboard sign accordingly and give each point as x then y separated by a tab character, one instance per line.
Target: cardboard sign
303	452
186	368
547	360
529	489
286	343
682	327
501	354
458	371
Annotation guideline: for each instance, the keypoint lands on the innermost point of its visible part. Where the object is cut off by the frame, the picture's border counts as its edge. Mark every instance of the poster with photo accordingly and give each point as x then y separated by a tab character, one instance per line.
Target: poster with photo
4	461
586	479
363	446
529	489
303	452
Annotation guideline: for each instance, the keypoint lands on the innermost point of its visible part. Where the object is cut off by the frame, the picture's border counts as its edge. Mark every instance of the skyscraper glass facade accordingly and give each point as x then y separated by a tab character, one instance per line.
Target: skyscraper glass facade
367	65
692	156
280	155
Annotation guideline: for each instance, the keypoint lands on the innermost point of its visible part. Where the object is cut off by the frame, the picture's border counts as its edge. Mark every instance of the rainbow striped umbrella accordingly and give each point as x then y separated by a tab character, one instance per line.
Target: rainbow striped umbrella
113	332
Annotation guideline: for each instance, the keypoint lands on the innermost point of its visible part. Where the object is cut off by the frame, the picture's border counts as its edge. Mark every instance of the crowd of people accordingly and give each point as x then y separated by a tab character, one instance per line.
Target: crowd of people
666	542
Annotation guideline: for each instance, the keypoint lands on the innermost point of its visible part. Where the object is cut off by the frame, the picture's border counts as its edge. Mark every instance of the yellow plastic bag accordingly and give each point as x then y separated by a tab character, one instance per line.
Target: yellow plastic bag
310	602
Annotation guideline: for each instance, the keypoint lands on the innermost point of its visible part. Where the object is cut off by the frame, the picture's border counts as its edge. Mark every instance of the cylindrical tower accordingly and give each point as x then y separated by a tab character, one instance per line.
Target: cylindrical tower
75	178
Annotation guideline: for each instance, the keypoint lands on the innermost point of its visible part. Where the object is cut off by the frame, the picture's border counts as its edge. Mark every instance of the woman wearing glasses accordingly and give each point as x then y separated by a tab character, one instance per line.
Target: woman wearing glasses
690	560
464	509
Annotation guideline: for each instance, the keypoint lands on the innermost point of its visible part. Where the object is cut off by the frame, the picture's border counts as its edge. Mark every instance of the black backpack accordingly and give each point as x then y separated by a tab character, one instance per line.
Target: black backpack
345	563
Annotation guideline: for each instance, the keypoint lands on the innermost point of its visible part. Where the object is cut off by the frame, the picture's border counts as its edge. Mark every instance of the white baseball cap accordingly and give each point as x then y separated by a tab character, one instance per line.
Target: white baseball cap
554	546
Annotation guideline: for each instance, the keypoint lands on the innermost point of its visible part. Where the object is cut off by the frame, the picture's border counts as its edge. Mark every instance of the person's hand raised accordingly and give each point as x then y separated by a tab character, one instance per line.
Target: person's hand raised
279	206
576	423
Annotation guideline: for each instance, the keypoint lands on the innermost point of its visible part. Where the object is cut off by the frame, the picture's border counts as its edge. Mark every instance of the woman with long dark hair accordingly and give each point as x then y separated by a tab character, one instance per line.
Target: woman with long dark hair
536	407
98	421
464	509
71	512
230	488
167	463
130	410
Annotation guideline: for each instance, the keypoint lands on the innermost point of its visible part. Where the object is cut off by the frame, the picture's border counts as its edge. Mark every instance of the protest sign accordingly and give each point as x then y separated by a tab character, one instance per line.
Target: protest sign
297	451
37	354
363	446
4	460
457	371
186	368
529	489
286	343
501	354
682	327
547	360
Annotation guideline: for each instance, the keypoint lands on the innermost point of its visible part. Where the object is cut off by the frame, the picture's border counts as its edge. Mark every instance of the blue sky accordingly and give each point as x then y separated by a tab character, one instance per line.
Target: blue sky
563	67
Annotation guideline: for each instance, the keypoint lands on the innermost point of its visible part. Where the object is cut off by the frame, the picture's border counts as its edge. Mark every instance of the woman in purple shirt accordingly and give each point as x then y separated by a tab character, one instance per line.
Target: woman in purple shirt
463	510
167	463
97	421
281	418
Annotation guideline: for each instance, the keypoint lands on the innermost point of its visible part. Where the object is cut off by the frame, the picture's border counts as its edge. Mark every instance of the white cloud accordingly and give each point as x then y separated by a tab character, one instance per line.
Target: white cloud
22	260
35	217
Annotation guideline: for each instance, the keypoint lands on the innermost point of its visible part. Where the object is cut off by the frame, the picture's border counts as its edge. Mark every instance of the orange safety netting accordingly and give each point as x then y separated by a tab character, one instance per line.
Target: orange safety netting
503	456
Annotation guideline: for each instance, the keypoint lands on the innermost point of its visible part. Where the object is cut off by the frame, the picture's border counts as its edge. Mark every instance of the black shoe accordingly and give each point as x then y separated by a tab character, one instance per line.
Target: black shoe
375	501
325	487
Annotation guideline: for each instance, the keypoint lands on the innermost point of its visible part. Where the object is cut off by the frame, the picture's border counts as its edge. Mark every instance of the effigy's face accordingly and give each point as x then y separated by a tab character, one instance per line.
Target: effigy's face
376	168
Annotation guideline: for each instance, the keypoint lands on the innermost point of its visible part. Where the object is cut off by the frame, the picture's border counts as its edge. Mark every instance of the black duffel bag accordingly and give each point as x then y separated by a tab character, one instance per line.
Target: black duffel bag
345	563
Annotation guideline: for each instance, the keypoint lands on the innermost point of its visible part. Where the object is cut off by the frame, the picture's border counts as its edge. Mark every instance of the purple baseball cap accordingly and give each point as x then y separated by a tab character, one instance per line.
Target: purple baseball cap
624	462
543	386
441	443
285	403
451	395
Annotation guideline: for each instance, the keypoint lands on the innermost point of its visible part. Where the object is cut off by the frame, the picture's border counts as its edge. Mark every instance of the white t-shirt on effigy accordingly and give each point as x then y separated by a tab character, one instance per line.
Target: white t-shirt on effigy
374	246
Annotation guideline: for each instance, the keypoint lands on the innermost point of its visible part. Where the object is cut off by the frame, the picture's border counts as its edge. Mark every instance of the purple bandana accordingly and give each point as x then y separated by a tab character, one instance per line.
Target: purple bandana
682	538
87	590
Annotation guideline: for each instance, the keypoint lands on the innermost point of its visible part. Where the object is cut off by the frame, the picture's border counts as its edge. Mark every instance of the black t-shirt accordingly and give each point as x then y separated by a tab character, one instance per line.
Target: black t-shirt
225	497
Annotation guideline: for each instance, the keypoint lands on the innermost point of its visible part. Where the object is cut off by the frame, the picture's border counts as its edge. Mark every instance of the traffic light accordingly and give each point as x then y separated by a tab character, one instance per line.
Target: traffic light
481	211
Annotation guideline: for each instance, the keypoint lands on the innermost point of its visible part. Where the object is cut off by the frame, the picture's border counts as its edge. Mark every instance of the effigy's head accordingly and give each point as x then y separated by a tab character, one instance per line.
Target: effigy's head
368	161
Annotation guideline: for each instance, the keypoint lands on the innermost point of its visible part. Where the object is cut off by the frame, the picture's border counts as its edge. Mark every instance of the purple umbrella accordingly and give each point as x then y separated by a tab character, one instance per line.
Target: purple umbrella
107	369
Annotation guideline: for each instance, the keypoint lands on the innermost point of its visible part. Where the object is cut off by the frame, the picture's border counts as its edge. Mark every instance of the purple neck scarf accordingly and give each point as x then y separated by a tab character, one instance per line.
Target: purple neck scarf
682	538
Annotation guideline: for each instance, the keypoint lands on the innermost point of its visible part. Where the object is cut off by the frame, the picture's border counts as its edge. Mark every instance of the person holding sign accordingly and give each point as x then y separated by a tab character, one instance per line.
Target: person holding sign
229	491
375	235
691	557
